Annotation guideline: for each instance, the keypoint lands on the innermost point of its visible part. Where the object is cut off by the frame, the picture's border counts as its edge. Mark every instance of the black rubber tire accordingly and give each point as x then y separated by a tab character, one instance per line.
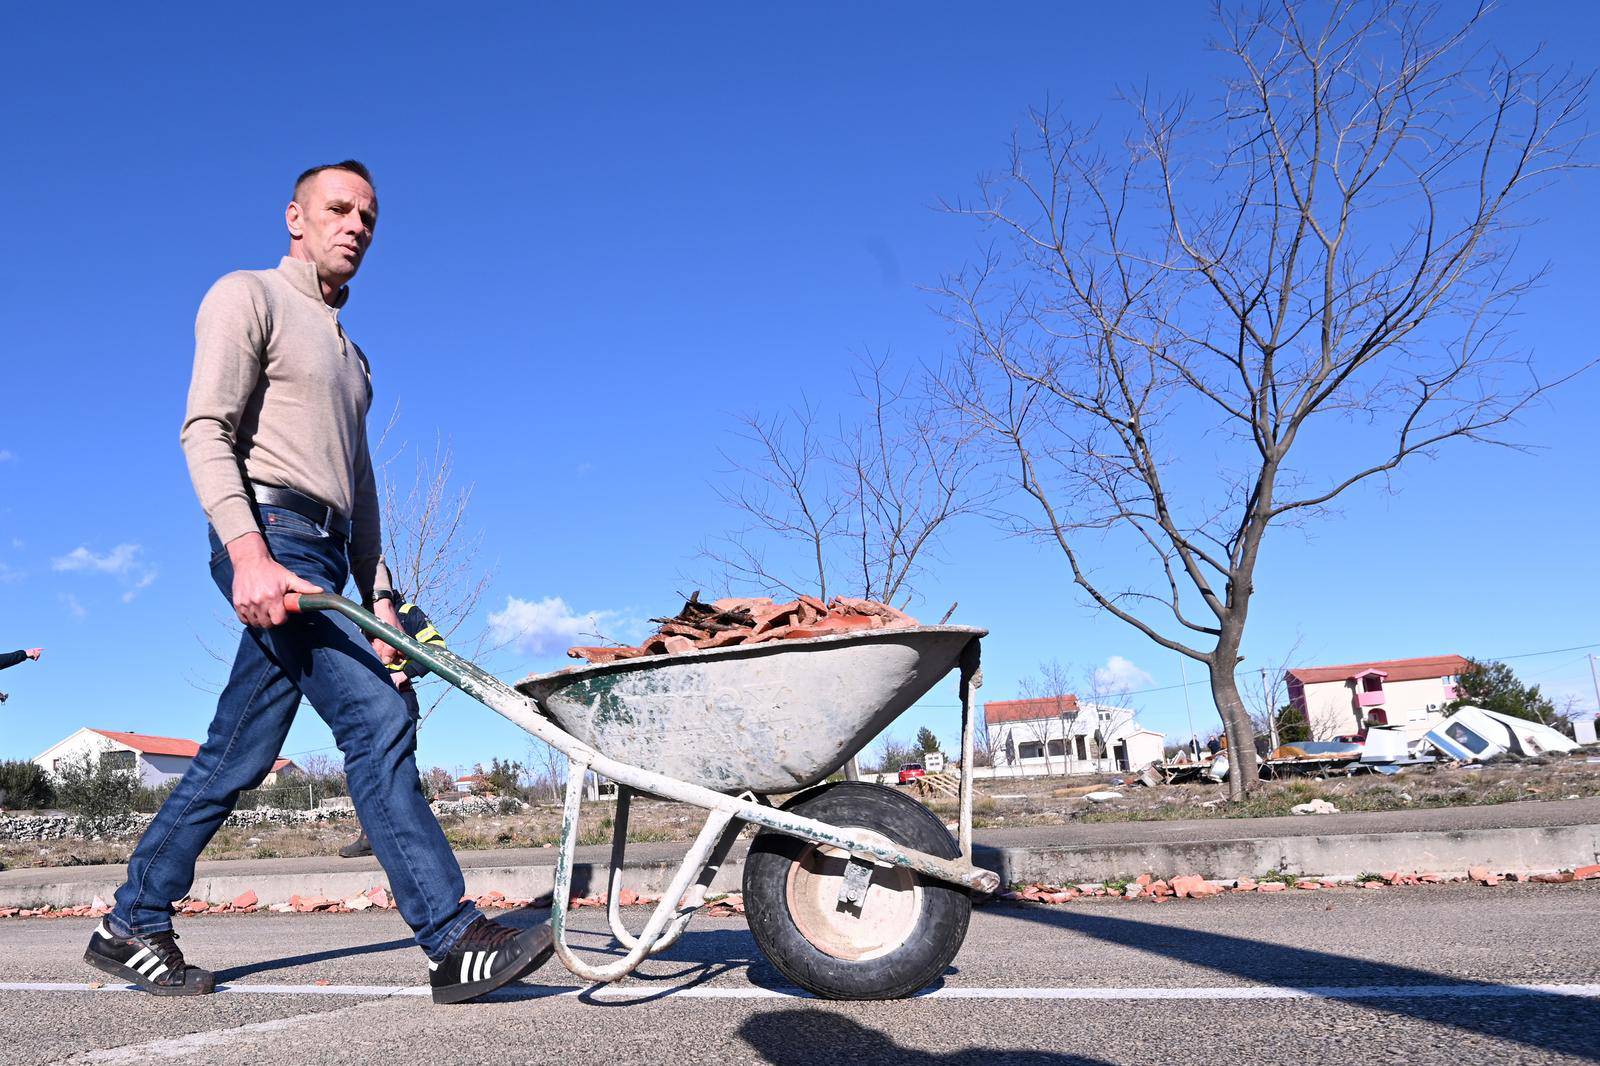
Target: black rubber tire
940	927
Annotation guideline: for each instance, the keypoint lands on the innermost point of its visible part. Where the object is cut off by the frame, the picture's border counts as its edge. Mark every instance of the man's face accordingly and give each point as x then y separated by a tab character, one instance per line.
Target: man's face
331	220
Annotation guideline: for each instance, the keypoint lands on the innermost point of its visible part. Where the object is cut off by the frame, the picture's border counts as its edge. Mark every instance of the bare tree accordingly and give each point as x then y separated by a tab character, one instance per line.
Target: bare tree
1109	707
859	510
1051	685
982	743
1181	339
434	556
1267	692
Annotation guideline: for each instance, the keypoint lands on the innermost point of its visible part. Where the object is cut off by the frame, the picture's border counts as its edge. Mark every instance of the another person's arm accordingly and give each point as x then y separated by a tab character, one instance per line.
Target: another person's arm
12	658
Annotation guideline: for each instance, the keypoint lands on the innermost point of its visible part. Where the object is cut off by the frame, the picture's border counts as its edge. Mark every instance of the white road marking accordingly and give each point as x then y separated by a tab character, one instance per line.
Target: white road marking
194	1043
647	990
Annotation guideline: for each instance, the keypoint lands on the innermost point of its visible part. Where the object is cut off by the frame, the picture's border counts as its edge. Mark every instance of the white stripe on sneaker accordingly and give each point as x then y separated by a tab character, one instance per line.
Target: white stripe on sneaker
477	970
158	972
488	967
149	964
466	967
103	931
139	957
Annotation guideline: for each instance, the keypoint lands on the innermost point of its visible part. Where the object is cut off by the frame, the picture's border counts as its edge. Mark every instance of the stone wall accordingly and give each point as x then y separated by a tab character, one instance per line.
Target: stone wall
127	826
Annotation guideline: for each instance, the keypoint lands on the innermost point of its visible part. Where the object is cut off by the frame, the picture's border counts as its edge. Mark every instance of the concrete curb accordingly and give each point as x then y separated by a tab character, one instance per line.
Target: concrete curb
1446	852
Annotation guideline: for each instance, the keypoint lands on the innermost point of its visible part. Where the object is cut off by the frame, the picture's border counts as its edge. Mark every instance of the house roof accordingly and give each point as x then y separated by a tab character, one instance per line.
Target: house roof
152	745
1392	669
1028	710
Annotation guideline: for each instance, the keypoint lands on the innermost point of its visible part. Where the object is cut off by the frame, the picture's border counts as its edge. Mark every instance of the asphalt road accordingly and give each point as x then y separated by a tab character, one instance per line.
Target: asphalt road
1419	975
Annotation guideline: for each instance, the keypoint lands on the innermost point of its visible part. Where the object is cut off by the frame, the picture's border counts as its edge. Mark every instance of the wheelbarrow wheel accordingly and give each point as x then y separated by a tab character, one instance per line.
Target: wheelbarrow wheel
898	938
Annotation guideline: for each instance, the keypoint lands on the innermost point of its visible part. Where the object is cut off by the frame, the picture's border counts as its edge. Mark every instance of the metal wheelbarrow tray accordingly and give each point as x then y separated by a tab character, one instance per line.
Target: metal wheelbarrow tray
852	890
764	718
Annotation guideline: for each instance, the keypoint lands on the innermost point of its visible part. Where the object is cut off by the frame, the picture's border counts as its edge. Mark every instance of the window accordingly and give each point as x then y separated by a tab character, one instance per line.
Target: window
118	760
1030	751
1466	738
1058	747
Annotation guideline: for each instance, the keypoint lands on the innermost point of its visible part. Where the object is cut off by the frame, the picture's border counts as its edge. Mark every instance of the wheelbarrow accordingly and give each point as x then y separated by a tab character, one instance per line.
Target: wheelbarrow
852	890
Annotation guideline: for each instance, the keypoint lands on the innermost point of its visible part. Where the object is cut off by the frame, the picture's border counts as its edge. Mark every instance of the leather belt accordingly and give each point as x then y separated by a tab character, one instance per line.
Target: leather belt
302	505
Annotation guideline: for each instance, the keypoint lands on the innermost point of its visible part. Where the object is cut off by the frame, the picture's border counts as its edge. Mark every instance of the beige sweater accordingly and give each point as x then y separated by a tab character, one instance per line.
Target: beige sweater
280	396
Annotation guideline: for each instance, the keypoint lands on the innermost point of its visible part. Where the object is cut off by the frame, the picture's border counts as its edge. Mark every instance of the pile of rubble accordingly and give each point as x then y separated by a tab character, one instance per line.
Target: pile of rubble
373	898
1470	736
1193	886
726	622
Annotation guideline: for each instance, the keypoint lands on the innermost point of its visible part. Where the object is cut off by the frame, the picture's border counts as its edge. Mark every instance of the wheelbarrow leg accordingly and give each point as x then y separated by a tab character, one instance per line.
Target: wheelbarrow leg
692	901
666	910
971	681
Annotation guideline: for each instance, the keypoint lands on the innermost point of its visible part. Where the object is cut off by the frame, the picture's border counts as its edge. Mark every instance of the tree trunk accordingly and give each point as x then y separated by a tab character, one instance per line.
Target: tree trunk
1243	775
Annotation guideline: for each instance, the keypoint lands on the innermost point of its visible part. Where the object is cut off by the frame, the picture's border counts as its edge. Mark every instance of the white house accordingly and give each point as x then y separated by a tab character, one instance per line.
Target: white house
1341	700
1062	736
156	760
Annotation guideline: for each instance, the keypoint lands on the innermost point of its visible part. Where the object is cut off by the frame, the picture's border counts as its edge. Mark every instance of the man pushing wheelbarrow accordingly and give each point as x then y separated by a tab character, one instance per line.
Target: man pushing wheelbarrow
745	709
276	442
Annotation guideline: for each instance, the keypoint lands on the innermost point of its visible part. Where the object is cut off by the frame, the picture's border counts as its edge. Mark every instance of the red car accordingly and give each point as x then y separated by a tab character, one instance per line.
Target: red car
911	770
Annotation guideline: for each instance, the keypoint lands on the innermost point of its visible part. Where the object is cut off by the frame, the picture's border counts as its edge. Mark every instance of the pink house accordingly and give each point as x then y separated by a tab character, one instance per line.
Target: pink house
1339	700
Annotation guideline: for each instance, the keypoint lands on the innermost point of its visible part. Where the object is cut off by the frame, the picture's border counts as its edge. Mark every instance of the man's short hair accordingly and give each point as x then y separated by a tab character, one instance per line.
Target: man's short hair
354	166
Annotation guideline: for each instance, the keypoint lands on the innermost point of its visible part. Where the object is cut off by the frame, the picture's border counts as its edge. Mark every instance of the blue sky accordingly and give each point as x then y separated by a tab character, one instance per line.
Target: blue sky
598	227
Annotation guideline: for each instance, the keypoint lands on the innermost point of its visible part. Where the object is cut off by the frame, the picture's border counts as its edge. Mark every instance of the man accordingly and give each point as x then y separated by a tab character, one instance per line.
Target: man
12	658
275	438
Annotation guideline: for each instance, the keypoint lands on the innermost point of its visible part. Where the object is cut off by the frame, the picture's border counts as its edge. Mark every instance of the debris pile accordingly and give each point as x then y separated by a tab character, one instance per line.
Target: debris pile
726	622
1193	886
1470	737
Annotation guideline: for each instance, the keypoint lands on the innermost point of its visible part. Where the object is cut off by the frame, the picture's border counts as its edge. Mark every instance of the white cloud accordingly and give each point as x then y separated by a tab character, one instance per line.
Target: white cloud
121	562
6	456
145	581
1119	675
77	609
117	561
541	627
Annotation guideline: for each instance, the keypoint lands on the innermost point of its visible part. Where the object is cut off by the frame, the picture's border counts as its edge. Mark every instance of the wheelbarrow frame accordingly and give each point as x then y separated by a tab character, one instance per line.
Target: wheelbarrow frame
687	891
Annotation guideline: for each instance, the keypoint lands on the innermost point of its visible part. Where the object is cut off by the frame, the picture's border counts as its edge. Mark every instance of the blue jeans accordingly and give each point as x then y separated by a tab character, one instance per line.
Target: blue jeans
326	659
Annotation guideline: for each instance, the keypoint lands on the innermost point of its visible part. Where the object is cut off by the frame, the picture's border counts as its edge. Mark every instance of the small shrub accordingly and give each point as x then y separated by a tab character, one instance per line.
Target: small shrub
149	800
25	785
94	788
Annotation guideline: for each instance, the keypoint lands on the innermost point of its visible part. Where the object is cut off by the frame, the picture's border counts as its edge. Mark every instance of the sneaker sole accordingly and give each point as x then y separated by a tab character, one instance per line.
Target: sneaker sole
463	993
120	972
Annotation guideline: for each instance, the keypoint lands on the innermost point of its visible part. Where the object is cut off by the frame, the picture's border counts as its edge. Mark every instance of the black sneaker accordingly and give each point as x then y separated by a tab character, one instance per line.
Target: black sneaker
151	961
487	956
357	848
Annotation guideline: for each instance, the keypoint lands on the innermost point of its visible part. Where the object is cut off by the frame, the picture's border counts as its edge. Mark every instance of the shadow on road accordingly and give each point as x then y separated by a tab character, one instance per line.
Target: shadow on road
1536	1019
233	973
804	1036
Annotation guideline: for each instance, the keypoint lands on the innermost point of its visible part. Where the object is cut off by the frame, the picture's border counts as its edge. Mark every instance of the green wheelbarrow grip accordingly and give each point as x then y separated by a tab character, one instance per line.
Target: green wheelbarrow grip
466	676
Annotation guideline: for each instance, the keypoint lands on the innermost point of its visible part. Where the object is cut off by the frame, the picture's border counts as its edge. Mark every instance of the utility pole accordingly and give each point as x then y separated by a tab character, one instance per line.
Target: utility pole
1194	738
1270	698
1596	680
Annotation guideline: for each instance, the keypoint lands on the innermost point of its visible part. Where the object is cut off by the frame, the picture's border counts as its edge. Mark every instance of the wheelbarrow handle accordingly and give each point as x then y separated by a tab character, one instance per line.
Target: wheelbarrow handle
467	676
